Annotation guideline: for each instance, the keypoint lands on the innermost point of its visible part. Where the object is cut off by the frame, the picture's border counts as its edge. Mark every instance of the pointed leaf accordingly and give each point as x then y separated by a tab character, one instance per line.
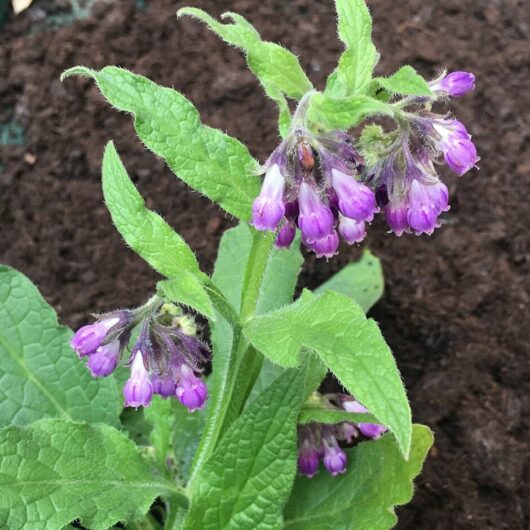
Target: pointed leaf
405	81
377	479
208	160
40	375
55	471
349	344
247	480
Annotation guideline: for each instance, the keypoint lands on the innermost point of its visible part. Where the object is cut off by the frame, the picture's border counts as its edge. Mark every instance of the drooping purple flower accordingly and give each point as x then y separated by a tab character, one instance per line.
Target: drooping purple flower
356	200
325	247
370	430
191	390
164	386
351	231
335	458
308	459
285	236
89	338
315	219
138	390
268	207
425	204
396	216
105	359
455	84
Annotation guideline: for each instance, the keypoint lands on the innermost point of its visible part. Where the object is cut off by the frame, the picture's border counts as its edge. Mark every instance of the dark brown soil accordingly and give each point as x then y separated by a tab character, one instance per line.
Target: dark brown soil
454	308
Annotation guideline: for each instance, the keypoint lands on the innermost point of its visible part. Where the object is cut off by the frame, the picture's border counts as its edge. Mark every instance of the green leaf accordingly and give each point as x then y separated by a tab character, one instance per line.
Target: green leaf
56	471
247	480
377	479
349	344
40	374
143	230
363	281
188	290
354	71
208	160
311	413
405	81
327	113
277	68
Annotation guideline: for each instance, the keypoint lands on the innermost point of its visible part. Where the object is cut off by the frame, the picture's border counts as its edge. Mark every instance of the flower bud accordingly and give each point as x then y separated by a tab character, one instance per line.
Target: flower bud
455	84
286	235
89	338
105	359
164	386
356	200
335	458
268	207
352	231
315	219
138	390
191	390
396	216
308	460
370	430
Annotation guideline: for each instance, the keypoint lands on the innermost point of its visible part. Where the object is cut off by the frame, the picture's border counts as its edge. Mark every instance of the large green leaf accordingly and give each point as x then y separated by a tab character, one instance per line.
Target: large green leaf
327	113
363	281
208	160
277	69
143	230
247	480
354	71
405	81
349	344
40	375
377	479
55	471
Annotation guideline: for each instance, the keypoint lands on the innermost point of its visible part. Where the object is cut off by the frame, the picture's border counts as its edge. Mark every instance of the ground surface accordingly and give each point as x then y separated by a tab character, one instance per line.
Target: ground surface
454	308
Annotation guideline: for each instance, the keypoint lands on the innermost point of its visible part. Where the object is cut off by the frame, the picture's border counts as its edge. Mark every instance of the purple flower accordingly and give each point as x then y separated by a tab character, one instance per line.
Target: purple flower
89	338
335	458
138	390
268	207
356	200
370	430
164	386
352	231
308	460
455	84
315	219
191	390
396	216
286	235
454	141
426	202
105	359
325	247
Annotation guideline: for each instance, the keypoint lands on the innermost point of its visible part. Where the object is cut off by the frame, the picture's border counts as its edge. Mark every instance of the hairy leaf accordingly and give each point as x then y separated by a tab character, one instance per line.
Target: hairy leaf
187	289
208	160
55	471
143	230
363	281
277	68
40	375
247	480
405	81
349	344
377	479
354	71
327	113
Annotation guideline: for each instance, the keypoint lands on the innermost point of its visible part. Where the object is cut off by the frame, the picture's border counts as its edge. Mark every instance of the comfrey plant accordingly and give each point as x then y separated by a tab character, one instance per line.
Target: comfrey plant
113	441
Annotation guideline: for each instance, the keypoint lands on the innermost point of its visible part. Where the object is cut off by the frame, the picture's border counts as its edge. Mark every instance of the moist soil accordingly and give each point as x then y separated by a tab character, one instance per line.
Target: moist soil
454	305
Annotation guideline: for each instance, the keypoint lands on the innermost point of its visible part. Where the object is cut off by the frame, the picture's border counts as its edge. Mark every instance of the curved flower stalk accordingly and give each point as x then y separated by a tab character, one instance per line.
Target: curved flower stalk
320	442
165	360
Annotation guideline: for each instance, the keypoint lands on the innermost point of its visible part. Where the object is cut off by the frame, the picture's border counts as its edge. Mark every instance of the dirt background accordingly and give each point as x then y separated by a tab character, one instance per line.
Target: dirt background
454	307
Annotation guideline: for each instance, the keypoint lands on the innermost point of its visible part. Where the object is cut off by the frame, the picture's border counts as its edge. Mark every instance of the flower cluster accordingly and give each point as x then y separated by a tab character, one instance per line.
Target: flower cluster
407	187
318	441
321	185
165	359
313	183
